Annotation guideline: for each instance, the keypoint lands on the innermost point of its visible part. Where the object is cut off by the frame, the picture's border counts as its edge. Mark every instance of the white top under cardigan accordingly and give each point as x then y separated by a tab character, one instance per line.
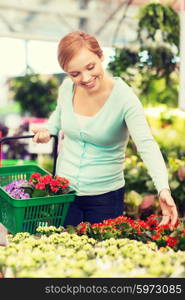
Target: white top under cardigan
92	157
82	120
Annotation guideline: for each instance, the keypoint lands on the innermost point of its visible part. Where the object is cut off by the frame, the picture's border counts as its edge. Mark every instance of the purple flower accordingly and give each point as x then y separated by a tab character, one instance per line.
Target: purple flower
14	189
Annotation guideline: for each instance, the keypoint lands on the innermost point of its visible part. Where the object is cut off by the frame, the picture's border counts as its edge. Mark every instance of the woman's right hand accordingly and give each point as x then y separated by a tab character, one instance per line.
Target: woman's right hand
42	135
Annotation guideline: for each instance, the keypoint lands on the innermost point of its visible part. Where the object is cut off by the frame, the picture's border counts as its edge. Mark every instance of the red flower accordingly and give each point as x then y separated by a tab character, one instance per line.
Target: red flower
156	236
171	241
64	186
152	221
40	186
81	228
143	224
62	180
55	182
46	179
49	183
35	176
54	189
135	229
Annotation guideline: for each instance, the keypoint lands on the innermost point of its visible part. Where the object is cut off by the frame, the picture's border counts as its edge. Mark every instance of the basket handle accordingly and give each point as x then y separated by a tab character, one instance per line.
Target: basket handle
55	151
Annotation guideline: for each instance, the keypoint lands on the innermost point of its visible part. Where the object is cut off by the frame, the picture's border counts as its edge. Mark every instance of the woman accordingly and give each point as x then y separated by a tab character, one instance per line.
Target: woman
97	112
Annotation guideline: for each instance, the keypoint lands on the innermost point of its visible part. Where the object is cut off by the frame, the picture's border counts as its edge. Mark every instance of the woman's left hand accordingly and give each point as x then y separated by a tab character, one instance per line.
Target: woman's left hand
169	209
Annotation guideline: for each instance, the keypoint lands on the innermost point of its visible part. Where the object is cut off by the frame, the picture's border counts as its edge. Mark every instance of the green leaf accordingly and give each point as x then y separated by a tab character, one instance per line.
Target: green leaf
39	193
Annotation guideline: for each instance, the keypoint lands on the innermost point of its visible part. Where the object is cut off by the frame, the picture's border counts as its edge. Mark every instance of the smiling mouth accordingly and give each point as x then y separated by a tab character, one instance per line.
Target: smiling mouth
90	84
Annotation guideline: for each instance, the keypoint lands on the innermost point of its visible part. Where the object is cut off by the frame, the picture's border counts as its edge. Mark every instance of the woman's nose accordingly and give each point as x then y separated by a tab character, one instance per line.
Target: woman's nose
85	77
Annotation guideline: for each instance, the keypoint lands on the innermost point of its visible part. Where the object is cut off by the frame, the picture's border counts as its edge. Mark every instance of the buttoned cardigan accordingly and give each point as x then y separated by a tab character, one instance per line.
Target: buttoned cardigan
92	158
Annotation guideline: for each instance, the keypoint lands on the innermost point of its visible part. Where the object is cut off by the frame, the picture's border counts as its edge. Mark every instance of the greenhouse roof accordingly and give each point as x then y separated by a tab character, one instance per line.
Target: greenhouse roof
52	19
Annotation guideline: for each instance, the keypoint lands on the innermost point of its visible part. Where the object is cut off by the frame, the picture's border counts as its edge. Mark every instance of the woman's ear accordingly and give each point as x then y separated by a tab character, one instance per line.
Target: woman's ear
102	57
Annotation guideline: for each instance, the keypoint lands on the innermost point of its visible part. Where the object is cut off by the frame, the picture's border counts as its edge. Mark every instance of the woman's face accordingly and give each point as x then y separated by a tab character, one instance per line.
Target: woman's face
85	70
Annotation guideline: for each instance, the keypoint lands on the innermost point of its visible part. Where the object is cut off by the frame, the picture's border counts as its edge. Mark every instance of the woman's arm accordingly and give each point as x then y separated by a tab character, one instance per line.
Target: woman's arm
150	153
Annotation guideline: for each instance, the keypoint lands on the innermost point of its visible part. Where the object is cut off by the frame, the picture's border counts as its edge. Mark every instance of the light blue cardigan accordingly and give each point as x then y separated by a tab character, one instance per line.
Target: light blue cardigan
92	158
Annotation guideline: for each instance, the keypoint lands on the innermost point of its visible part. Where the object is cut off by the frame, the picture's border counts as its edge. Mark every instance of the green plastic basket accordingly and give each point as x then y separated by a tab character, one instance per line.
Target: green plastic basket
25	215
18	162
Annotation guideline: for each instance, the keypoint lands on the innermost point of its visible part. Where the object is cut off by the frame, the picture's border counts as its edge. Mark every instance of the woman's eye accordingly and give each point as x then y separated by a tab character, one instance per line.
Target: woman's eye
91	67
74	75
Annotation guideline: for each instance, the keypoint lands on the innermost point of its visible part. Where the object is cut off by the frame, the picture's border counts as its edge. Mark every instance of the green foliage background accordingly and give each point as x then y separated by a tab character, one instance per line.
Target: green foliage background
152	68
36	94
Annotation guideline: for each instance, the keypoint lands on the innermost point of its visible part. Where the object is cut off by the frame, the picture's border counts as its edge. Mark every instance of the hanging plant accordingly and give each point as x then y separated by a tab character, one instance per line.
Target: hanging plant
163	61
152	69
123	59
154	18
36	94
